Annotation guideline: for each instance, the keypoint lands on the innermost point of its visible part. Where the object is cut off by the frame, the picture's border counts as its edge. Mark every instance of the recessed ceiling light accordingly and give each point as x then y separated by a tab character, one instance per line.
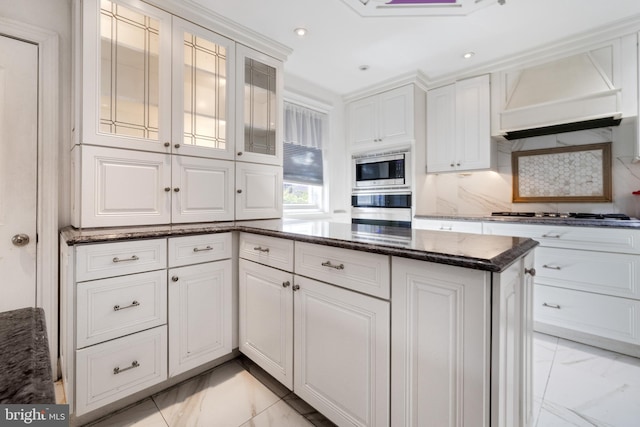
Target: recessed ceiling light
363	67
468	55
300	31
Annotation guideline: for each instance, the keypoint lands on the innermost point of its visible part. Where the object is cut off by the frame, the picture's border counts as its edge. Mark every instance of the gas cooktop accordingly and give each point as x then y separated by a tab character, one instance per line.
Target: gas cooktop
578	215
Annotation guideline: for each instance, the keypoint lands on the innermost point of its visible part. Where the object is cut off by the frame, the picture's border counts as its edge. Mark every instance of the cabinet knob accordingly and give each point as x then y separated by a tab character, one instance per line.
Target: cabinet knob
174	279
286	284
295	287
177	145
531	271
167	144
177	189
452	165
239	191
167	189
458	164
239	153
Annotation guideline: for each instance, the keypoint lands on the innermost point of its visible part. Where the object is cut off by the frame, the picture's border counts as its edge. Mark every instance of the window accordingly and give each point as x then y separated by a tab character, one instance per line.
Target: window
303	167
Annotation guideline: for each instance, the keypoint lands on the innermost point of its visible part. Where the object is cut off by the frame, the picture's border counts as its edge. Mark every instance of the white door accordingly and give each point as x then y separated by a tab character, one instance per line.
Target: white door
18	172
258	191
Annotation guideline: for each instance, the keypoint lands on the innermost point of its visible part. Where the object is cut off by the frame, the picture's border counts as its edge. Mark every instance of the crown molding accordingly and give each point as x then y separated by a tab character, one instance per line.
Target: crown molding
414	77
200	15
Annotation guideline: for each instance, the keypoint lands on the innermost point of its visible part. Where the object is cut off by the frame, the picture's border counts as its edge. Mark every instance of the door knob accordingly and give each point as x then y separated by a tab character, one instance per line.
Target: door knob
20	240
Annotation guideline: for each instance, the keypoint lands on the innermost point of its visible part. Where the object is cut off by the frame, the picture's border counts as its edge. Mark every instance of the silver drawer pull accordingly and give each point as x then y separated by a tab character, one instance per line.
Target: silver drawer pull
337	267
208	248
552	267
551	236
556	306
117	370
133	304
261	249
443	228
133	258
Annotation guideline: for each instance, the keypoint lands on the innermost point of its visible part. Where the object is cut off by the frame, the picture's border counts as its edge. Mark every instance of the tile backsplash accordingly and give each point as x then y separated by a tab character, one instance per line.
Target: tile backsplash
480	193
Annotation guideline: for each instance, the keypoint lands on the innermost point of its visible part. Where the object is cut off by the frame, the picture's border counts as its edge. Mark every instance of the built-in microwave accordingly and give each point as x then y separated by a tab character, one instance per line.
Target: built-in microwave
382	171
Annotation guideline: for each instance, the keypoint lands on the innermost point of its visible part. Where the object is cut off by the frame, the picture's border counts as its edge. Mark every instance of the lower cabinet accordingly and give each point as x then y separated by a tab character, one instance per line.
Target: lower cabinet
341	353
328	344
199	314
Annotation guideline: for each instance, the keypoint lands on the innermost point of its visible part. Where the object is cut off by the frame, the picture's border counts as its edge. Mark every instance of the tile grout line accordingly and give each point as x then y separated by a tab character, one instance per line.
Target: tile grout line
159	411
546	383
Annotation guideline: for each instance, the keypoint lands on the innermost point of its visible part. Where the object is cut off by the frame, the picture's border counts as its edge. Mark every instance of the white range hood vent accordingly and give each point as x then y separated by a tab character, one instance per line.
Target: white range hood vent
565	95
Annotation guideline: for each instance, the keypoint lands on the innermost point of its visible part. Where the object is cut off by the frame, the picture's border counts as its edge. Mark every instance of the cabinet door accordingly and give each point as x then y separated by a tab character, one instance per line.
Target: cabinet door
202	189
199	314
363	117
126	69
203	92
124	187
396	115
473	138
259	107
341	353
441	122
266	319
441	332
258	191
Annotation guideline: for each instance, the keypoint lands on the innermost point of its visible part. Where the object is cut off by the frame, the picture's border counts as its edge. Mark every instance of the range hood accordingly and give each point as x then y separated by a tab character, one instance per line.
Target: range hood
565	95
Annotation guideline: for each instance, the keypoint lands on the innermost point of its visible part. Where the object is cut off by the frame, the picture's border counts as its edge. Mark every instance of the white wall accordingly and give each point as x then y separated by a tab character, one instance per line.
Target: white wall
480	193
53	15
337	180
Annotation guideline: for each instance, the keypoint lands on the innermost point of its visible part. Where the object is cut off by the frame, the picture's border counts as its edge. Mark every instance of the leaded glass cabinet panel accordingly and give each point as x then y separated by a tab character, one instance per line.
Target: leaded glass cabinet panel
126	70
203	92
259	109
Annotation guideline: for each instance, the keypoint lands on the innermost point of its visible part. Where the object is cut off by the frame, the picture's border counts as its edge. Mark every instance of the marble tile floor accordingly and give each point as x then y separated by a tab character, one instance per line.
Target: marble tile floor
573	385
235	394
579	385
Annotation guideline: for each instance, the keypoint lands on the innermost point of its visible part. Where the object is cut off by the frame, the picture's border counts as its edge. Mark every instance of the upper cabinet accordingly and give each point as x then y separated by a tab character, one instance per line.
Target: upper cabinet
259	107
382	119
164	110
154	82
458	127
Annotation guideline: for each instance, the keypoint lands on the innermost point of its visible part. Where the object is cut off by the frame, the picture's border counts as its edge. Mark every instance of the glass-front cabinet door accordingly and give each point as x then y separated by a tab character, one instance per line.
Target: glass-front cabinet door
258	107
126	75
154	82
203	92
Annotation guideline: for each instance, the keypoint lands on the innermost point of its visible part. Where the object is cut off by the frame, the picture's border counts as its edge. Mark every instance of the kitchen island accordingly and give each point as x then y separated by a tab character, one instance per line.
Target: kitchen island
393	326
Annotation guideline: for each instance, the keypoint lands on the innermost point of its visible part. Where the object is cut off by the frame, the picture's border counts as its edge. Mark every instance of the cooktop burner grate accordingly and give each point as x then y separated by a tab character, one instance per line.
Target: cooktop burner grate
577	215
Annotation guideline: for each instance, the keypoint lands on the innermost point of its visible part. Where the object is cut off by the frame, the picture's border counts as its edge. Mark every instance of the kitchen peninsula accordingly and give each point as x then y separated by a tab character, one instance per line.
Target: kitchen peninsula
384	317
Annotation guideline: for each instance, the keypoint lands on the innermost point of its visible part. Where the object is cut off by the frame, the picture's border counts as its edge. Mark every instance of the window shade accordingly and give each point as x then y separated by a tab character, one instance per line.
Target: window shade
304	133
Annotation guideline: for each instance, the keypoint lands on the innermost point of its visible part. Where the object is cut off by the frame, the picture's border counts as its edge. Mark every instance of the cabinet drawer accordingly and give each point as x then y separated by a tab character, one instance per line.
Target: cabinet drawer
115	369
361	271
117	306
197	249
587	238
271	251
610	317
120	258
600	272
448	225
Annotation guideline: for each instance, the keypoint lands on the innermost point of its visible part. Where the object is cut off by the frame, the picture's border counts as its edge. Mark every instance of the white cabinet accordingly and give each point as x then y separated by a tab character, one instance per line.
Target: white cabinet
381	119
157	107
259	107
448	225
337	356
586	283
258	191
441	332
152	81
121	187
200	319
202	190
266	319
341	353
458	127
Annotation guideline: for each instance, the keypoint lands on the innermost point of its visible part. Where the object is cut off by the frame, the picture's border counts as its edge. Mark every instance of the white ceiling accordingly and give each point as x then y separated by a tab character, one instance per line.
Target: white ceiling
339	39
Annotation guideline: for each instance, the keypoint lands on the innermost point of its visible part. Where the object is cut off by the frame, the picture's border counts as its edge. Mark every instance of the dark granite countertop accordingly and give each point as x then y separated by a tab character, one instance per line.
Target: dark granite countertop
632	223
480	252
25	376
